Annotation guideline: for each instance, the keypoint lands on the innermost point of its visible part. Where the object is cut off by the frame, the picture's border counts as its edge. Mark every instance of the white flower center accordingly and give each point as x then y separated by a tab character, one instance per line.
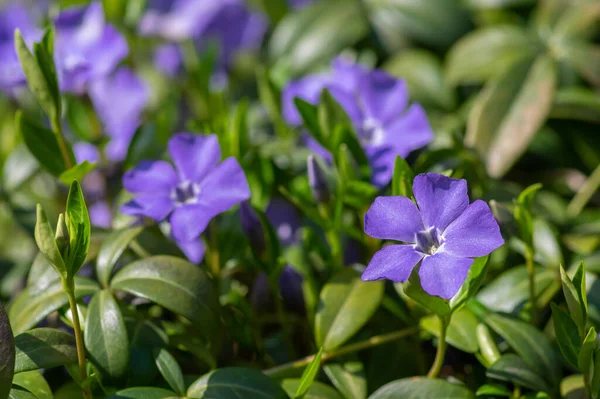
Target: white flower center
428	241
284	231
185	192
371	132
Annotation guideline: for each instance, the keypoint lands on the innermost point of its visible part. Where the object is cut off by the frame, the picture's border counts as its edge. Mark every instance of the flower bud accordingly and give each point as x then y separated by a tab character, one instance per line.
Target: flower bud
252	227
62	234
317	179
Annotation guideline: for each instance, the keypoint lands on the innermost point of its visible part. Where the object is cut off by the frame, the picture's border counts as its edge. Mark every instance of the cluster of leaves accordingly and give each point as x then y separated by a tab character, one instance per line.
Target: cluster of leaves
515	102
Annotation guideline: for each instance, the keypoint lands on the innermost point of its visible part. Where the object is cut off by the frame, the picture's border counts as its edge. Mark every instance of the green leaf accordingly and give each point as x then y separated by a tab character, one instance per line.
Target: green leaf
488	52
316	33
493	4
585	360
20	393
349	378
44	348
105	337
143	393
35	383
7	354
170	370
345	305
174	284
475	277
579	20
330	115
595	383
402	178
419	388
309	374
31	306
513	369
424	77
317	390
487	344
493	390
40	72
309	114
578	103
78	223
584	58
572	387
567	334
527	113
529	343
77	172
42	144
113	246
413	289
461	333
44	238
524	215
235	383
575	297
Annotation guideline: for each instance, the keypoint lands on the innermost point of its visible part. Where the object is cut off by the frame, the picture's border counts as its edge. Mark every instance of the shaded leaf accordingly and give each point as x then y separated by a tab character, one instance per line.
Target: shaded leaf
317	390
35	383
567	334
170	370
461	333
113	246
77	172
419	388
44	348
513	369
349	378
235	383
7	354
143	393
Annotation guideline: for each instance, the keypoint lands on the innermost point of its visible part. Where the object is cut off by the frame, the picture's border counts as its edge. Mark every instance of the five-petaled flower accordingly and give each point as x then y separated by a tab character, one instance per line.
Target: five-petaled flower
192	193
444	233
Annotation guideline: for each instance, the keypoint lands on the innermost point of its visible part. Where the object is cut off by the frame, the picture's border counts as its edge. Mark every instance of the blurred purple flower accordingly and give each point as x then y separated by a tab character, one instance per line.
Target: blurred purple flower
192	193
119	101
87	48
14	16
167	59
296	4
444	233
193	249
377	105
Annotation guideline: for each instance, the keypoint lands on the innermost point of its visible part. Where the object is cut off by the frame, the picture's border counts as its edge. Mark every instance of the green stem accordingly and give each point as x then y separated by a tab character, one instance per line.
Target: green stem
69	287
441	349
585	193
56	127
356	347
531	273
587	386
215	262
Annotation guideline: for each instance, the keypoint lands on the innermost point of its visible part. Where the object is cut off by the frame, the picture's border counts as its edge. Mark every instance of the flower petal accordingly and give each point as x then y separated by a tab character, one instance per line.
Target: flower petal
224	187
408	132
152	177
441	199
189	221
194	250
394	218
156	207
309	89
474	233
394	262
194	155
384	97
442	274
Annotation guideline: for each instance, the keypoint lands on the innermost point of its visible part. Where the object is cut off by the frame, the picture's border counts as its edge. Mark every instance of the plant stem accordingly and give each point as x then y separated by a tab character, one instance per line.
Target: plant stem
69	287
356	347
585	193
586	384
531	274
441	349
215	262
56	127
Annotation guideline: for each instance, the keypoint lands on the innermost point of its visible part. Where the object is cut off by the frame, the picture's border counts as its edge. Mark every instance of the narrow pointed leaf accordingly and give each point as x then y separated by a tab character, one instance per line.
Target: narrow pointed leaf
170	370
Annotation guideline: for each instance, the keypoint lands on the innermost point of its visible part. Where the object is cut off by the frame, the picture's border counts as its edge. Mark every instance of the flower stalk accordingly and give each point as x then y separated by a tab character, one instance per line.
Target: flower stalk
531	274
441	349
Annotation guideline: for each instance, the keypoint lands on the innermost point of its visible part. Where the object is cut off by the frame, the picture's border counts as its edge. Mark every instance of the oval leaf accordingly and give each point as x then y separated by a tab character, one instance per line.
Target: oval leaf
143	393
419	388
111	250
44	348
349	378
235	383
35	383
7	354
170	370
513	369
317	390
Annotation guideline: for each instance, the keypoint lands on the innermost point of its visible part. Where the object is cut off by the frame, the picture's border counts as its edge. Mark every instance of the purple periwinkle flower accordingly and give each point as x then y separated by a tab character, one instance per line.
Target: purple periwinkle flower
119	100
168	59
191	193
14	16
87	48
442	231
376	103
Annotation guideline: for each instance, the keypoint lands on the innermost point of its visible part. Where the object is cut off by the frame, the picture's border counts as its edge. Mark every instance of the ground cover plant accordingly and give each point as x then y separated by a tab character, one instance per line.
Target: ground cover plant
332	199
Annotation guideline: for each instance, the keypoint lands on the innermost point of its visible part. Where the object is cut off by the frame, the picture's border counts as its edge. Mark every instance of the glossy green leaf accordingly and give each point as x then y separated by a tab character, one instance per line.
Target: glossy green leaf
7	354
461	333
575	297
529	343
105	337
488	53
487	345
78	223
31	306
513	369
330	115
175	284
349	378
44	238
524	214
35	383
567	334
413	289
585	360
493	390
419	388
42	144
20	393
44	348
402	178
113	246
345	305
572	387
170	370
309	374
41	274
77	172
143	393
317	390
235	383
473	281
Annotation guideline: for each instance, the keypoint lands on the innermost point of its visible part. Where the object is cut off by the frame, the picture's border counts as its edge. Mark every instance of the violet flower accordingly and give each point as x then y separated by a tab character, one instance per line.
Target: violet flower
119	101
444	233
192	193
168	59
87	48
14	16
376	103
